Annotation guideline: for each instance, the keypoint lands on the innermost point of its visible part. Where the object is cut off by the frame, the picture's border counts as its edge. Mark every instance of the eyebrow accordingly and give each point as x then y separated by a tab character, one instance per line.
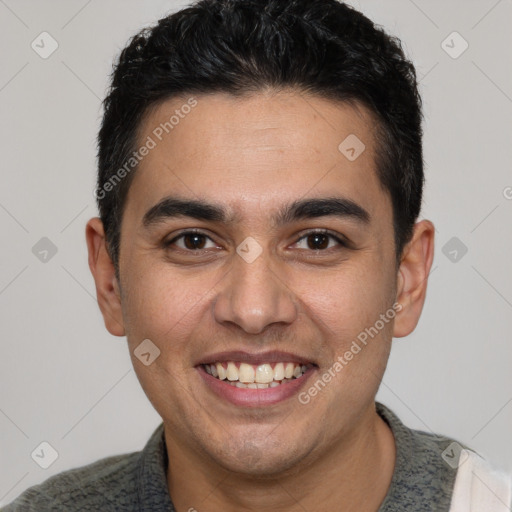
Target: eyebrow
175	207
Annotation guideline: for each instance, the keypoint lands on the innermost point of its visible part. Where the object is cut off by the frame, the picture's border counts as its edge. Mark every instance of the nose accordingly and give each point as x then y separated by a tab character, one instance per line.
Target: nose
254	296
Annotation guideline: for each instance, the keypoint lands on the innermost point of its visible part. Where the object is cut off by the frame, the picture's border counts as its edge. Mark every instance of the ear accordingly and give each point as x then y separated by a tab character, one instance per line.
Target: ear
103	271
412	277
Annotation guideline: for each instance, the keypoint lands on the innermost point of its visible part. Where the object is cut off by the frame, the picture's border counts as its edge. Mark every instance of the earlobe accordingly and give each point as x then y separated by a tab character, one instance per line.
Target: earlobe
412	277
103	271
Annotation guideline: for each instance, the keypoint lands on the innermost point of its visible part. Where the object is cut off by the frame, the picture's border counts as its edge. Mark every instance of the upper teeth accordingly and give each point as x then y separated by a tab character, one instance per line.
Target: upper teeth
259	374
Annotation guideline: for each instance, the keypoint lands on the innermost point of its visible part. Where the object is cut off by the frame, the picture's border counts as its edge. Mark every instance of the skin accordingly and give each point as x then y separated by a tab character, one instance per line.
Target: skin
253	155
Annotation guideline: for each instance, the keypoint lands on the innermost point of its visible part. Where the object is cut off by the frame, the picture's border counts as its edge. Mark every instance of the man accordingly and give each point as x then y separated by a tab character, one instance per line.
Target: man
260	180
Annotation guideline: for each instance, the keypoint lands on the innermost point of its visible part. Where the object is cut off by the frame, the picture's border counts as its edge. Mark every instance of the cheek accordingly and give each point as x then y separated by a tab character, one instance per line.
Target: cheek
349	299
161	304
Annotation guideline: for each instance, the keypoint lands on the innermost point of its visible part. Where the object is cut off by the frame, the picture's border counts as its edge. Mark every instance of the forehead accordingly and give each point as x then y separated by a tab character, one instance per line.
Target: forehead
256	153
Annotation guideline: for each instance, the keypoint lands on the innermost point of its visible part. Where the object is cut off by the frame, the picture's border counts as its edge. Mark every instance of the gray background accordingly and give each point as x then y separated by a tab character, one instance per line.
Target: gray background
66	381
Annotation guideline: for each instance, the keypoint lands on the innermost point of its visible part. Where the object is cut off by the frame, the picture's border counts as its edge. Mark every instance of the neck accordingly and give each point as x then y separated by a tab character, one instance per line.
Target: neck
351	475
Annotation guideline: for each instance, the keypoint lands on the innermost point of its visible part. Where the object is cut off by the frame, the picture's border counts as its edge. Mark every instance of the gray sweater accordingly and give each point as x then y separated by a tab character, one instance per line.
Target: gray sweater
422	480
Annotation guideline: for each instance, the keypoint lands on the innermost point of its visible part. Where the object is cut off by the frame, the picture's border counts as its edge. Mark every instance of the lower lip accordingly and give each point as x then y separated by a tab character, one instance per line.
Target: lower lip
246	397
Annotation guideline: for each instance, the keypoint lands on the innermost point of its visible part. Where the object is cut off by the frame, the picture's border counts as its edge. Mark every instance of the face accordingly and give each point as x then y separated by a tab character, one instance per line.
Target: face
281	256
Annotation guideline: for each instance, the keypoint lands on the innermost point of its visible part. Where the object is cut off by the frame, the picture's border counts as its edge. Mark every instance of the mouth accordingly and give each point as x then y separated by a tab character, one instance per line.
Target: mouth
251	380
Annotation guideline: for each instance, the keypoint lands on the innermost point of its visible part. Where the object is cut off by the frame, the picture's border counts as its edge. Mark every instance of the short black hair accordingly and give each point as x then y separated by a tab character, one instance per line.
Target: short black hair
323	47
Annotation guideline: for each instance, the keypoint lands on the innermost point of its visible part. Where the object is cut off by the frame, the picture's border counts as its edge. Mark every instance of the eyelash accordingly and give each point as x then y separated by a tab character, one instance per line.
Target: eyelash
326	232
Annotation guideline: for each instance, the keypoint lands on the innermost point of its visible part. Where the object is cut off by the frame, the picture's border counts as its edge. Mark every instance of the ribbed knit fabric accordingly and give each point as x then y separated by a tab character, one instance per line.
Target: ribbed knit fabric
422	480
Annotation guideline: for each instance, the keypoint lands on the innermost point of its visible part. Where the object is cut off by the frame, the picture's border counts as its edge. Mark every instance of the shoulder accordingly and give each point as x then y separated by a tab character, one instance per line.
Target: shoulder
435	472
107	484
425	468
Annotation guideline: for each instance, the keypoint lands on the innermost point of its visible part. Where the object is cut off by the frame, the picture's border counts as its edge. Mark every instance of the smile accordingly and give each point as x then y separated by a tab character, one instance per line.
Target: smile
260	376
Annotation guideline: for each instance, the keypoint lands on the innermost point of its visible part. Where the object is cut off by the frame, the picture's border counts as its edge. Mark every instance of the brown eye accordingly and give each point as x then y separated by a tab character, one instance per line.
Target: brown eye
194	241
191	241
320	241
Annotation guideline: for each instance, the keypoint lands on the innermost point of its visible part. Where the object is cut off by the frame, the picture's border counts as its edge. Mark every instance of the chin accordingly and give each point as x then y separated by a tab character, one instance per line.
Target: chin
261	457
